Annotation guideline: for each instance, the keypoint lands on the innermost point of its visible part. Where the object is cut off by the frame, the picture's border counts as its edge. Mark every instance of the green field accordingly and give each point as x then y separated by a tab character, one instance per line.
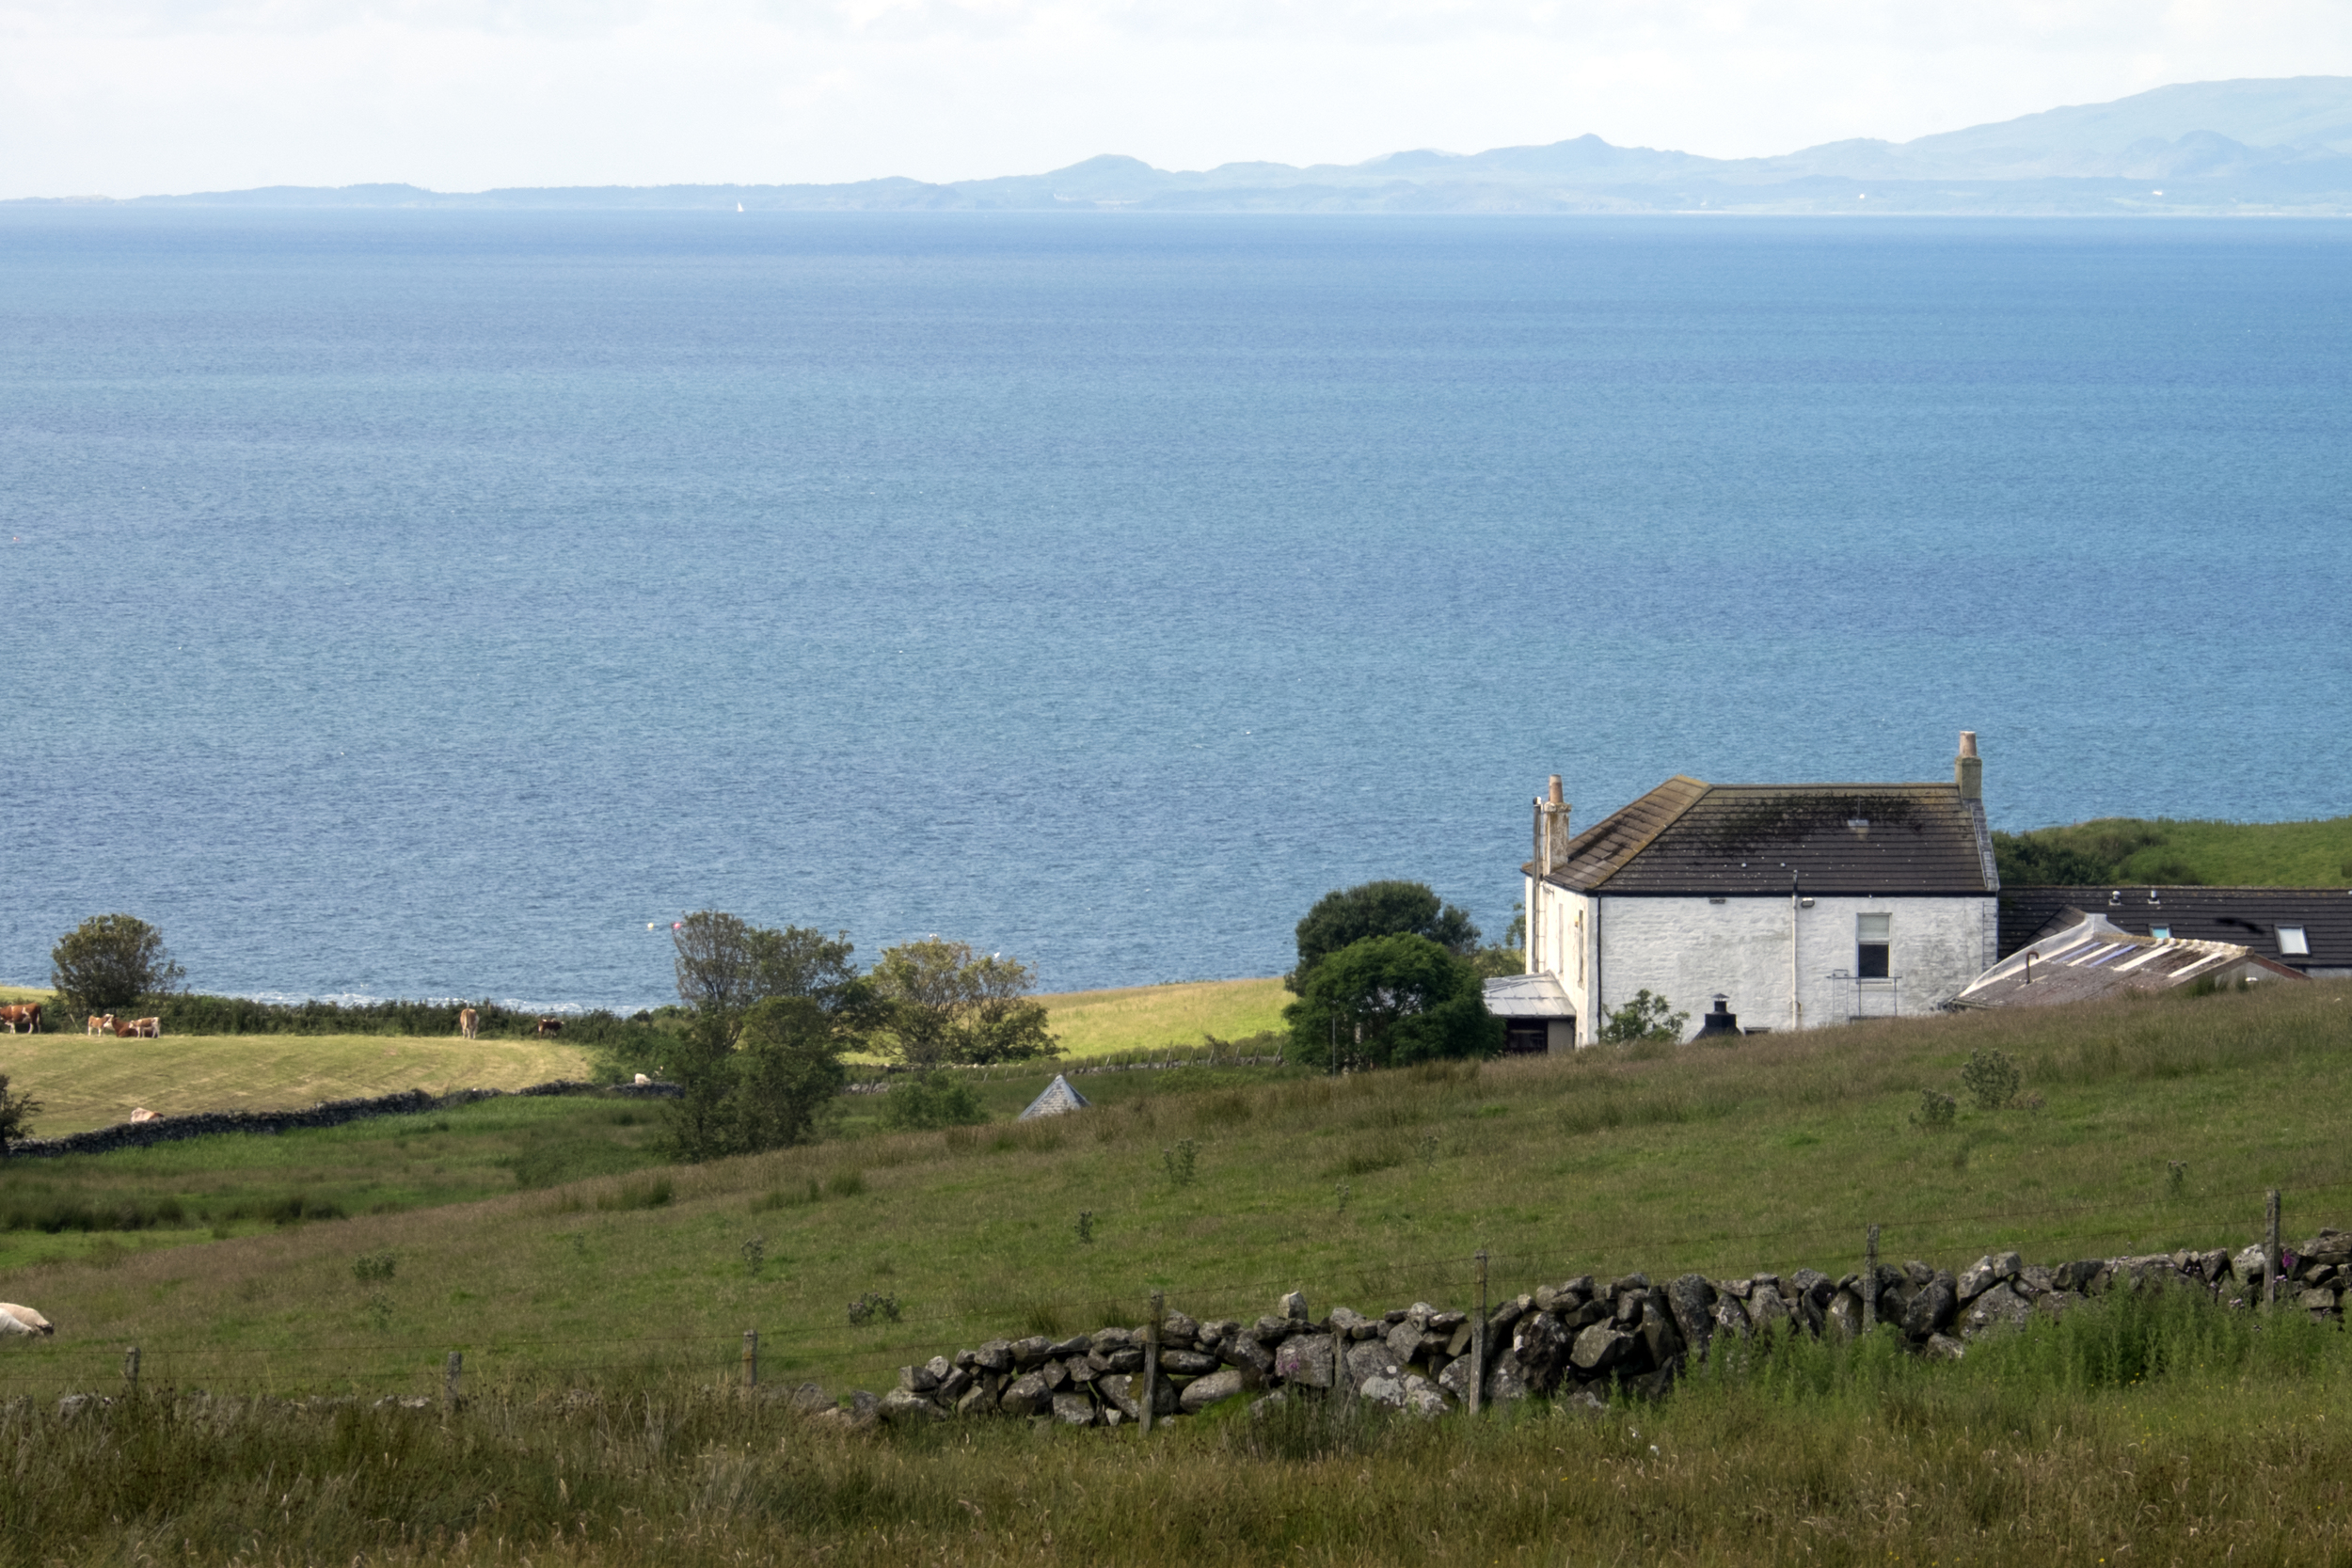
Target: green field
85	1081
2164	850
1092	1023
1373	1190
2152	1124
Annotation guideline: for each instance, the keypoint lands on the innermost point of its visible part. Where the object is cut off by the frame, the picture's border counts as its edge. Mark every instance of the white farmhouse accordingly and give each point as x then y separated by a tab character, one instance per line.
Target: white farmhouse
1803	904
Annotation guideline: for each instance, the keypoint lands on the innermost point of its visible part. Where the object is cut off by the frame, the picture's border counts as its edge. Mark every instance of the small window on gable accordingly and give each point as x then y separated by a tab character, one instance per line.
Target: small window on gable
1872	938
2293	943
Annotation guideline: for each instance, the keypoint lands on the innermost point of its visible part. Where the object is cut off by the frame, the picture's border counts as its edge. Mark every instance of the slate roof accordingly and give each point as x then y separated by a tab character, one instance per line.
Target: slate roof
2083	956
1057	1098
1688	837
2249	915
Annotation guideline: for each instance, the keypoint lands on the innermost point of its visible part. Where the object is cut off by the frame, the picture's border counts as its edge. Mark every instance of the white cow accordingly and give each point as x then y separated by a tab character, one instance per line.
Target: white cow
21	1319
143	1113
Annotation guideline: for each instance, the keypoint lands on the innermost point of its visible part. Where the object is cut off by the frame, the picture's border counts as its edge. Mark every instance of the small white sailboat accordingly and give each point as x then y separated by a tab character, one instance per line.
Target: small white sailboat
738	206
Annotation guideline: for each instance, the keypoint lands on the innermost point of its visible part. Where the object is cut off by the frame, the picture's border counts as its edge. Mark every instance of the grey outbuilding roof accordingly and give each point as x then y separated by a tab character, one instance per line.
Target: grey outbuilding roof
1057	1098
1528	996
2272	920
2084	956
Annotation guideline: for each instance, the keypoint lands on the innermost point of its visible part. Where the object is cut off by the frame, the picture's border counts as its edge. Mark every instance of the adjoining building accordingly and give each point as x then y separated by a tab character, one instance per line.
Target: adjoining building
2082	957
1805	904
2307	929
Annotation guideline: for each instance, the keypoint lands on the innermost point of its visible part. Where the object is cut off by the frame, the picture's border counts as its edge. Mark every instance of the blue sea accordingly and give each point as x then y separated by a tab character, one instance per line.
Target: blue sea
425	604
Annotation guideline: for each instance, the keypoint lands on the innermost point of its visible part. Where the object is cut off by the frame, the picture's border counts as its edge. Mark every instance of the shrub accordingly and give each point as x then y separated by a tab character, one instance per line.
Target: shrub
374	1265
873	1306
931	1099
1935	1111
1991	1079
1645	1019
1183	1162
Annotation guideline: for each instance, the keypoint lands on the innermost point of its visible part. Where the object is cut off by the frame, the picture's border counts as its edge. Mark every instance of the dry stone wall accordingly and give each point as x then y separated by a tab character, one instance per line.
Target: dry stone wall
327	1113
1581	1339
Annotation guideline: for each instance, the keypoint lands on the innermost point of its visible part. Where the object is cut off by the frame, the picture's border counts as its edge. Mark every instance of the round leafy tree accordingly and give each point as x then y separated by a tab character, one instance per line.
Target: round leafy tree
108	962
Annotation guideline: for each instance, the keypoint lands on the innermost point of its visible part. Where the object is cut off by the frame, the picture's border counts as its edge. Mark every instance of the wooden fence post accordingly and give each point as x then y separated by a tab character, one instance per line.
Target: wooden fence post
1151	1357
1478	1342
751	1358
1870	1282
2270	1251
131	1370
452	1395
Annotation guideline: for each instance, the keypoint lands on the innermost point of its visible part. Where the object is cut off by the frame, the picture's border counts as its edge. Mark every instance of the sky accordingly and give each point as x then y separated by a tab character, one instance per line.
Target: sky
134	97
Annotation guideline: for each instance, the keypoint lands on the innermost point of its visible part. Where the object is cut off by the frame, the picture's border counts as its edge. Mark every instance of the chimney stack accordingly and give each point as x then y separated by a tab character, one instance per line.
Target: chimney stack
1968	768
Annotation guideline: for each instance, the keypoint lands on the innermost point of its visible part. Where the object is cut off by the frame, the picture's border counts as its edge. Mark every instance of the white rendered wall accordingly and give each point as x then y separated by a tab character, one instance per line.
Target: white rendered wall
1689	949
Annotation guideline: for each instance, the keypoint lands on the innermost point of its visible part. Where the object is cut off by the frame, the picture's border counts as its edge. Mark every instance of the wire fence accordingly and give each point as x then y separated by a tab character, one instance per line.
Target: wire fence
805	1344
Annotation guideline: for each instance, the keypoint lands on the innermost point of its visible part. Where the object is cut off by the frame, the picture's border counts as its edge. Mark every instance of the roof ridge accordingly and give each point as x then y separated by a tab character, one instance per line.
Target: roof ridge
1629	856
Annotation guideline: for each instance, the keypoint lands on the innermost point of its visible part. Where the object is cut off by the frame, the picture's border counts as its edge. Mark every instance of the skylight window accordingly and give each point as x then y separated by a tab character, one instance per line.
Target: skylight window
2162	933
2293	943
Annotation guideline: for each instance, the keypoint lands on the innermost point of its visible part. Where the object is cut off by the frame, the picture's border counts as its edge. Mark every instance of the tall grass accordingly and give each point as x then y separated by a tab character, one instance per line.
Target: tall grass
2137	1430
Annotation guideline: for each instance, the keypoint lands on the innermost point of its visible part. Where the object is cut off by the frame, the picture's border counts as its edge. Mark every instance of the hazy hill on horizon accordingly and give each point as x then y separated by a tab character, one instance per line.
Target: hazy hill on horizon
2257	146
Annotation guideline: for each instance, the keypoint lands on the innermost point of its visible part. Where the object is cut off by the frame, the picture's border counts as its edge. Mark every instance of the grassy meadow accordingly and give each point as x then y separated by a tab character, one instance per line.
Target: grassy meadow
1371	1190
1096	1023
600	1302
2134	1433
2170	850
85	1081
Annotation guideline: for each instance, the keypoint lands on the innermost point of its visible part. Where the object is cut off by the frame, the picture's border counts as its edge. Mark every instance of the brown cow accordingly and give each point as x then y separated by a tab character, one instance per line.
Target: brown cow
551	1025
27	1013
143	1113
468	1021
102	1023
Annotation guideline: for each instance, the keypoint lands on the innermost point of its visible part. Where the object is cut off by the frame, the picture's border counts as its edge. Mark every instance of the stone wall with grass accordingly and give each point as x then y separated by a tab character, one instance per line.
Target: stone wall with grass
327	1113
1583	1340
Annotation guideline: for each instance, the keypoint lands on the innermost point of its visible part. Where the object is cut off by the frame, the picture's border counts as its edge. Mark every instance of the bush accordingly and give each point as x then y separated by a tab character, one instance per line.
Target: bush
1991	1079
1645	1019
931	1099
1935	1111
108	962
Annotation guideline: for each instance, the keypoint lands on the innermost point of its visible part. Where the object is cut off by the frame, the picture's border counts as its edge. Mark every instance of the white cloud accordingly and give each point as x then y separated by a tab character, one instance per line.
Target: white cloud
131	96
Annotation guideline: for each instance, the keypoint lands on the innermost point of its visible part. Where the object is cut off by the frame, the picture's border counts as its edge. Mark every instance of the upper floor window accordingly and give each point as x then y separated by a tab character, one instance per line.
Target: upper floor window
1872	938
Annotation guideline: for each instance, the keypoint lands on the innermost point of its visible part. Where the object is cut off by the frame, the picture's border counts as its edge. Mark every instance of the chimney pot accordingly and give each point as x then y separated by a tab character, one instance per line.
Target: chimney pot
1968	768
1555	789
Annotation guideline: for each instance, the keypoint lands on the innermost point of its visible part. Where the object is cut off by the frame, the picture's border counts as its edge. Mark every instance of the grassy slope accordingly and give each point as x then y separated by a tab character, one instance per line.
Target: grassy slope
204	1189
2217	854
1775	1154
1100	1022
85	1081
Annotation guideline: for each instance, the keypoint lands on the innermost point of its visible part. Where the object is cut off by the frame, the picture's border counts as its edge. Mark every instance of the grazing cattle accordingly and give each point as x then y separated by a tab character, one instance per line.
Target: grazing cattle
22	1319
27	1014
147	1028
468	1022
102	1023
550	1026
143	1113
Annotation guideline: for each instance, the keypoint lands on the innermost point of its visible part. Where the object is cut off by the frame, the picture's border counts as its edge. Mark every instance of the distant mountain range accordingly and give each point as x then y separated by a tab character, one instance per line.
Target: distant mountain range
2249	147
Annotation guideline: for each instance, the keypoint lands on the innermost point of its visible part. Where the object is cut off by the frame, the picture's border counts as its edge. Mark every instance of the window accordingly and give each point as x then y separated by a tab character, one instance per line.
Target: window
2293	943
2162	933
1872	936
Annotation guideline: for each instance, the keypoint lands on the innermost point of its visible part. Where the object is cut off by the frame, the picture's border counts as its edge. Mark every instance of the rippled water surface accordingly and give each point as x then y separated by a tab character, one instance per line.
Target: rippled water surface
409	603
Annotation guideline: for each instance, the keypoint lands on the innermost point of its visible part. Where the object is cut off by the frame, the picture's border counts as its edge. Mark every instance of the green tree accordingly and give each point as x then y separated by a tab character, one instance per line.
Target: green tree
16	1114
109	961
1342	919
1644	1017
938	1001
1389	1000
769	1014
